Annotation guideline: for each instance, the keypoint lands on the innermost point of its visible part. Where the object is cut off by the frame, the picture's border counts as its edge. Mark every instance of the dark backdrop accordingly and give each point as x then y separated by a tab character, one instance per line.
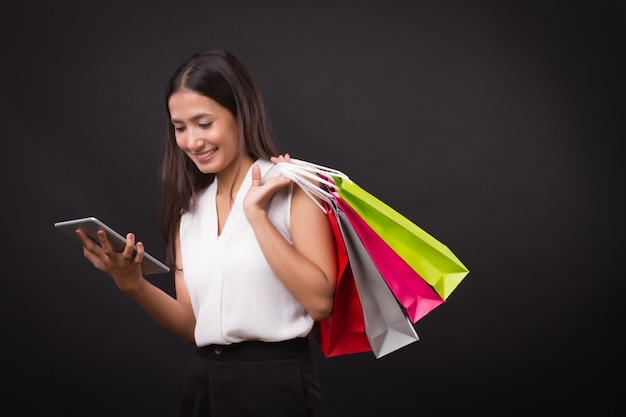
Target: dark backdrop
495	126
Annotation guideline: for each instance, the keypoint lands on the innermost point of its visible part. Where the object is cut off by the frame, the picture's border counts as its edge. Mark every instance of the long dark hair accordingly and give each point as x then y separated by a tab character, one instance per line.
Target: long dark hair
220	76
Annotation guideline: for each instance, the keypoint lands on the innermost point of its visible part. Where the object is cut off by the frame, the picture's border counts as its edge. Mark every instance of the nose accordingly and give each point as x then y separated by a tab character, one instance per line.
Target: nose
194	138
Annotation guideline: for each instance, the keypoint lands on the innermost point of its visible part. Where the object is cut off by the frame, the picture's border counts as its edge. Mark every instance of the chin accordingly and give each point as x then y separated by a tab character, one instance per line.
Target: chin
206	170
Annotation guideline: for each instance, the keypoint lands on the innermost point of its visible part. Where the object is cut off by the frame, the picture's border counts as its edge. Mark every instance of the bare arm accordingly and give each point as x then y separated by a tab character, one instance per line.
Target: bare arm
174	314
307	268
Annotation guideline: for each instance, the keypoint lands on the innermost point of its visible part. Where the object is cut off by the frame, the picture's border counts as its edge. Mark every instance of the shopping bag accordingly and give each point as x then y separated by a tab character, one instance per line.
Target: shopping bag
414	294
343	331
430	258
387	326
387	330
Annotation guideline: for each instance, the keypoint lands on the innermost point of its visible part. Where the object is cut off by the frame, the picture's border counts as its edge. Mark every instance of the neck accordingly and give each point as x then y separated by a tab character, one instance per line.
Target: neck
231	180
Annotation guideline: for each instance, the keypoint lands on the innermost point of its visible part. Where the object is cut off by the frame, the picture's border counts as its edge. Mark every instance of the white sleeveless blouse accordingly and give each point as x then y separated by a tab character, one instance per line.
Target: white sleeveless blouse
235	294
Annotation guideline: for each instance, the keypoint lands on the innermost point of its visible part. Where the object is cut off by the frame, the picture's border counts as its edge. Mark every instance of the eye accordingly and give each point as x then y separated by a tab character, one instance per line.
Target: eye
205	125
179	128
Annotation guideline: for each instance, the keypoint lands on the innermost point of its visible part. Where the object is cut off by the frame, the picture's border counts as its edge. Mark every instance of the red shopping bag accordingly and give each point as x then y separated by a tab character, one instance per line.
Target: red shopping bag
343	331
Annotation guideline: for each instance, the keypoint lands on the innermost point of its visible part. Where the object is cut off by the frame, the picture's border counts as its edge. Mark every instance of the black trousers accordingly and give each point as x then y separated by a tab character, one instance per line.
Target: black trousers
252	379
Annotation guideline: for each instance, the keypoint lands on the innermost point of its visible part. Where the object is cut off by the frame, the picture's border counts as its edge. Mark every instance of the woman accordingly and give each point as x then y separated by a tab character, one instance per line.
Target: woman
252	254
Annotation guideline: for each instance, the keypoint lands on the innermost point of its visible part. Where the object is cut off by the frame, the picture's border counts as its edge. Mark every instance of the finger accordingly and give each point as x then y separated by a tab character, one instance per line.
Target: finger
86	240
92	251
276	183
129	249
94	258
104	242
256	175
140	253
281	158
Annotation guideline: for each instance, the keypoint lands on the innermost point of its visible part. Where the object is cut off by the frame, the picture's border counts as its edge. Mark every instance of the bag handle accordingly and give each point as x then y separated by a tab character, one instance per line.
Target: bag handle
286	167
320	169
305	180
309	176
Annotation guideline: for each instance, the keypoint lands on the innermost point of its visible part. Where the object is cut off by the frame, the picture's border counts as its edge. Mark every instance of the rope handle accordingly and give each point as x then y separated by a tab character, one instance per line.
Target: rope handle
315	180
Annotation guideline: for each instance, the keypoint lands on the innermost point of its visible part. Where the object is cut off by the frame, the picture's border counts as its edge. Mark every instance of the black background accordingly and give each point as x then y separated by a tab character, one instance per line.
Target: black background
495	126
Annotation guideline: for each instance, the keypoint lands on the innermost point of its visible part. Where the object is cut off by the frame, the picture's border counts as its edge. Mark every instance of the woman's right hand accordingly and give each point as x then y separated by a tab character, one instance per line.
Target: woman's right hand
124	267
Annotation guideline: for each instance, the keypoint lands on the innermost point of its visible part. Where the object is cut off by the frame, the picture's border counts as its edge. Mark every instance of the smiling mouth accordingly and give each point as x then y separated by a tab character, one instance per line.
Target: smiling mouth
206	154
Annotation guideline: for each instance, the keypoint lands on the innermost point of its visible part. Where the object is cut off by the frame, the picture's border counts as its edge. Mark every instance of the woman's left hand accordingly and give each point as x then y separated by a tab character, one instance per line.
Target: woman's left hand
255	202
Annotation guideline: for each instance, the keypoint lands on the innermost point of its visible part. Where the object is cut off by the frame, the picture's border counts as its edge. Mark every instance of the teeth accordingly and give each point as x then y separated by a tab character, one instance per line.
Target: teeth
206	154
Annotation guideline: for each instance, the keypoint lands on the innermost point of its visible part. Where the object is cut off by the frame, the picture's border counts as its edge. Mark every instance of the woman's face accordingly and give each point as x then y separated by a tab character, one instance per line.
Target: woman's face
205	131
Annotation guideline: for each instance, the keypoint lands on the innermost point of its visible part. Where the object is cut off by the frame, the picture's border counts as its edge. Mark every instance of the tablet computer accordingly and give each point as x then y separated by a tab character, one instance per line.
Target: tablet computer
91	225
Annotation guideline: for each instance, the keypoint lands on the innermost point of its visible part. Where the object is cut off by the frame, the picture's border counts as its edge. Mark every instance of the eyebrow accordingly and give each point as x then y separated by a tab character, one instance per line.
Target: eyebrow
193	118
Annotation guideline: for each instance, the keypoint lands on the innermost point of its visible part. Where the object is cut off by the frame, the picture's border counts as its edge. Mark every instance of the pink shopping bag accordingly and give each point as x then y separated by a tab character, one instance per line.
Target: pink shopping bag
412	292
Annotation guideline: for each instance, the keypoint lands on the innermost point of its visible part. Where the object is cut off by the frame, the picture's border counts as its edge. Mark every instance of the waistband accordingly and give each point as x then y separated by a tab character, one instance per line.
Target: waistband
256	350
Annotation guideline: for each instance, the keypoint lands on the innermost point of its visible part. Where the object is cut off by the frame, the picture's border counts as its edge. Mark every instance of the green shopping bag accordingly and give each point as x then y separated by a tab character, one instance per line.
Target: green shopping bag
430	258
